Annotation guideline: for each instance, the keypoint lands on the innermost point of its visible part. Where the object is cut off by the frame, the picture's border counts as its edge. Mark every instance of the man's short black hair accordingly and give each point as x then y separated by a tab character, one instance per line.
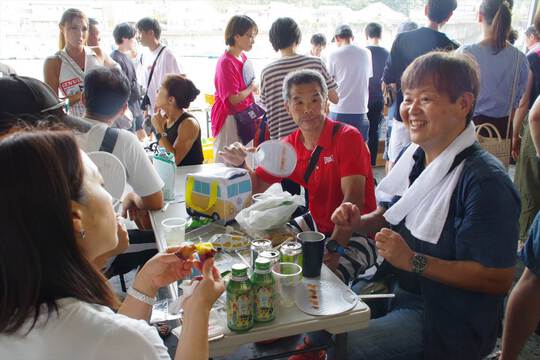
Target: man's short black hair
147	24
318	39
301	77
92	22
440	10
123	31
284	32
105	91
373	30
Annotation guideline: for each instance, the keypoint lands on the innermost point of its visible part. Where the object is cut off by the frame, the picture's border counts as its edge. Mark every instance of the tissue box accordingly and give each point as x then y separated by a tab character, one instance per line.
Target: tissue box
218	193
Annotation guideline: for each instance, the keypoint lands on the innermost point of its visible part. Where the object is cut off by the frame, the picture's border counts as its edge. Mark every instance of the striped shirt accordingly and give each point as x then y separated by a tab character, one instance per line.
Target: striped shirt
280	124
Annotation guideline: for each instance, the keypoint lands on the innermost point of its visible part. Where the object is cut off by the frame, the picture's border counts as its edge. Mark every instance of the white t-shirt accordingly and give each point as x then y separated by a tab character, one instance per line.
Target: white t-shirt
165	65
351	67
84	331
140	172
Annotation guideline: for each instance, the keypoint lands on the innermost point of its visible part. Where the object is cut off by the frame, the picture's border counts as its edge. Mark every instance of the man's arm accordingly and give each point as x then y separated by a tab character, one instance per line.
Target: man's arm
463	274
485	240
153	201
353	188
522	315
235	155
137	207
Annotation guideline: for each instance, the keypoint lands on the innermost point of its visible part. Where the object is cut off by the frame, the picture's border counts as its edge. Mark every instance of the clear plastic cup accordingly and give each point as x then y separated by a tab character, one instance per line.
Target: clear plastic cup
288	276
174	230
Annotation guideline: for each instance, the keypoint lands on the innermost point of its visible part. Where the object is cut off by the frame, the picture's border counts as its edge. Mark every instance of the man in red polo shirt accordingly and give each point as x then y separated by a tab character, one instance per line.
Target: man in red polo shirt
342	171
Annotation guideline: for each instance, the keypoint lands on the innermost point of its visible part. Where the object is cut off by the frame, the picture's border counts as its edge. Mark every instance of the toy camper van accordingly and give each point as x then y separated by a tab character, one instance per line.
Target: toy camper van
218	193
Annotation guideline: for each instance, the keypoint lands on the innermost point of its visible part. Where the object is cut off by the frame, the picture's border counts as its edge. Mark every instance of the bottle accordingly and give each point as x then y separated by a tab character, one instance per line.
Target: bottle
263	282
239	300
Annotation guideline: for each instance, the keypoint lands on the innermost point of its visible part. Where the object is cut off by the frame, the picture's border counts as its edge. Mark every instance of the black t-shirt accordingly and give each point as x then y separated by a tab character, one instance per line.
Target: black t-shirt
129	70
534	65
408	46
378	59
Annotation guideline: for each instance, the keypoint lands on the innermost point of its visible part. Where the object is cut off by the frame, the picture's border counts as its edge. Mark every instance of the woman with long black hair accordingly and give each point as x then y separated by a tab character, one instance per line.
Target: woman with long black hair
56	220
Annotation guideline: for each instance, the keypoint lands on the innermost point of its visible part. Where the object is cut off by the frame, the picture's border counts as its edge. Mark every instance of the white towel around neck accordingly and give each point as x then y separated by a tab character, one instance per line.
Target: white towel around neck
424	205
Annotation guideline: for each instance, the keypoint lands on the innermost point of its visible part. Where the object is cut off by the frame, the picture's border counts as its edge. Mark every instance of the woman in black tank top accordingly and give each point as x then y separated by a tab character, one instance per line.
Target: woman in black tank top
178	131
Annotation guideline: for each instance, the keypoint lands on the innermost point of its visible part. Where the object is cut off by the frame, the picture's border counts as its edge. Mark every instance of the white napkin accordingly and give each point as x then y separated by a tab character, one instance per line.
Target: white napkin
425	203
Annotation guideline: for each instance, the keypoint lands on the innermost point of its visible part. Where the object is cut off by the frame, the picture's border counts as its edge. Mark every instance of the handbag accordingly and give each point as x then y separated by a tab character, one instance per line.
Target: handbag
494	143
246	122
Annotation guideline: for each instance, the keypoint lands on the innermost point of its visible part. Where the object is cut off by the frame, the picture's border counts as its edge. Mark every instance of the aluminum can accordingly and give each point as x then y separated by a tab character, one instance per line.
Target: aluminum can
258	246
291	251
272	255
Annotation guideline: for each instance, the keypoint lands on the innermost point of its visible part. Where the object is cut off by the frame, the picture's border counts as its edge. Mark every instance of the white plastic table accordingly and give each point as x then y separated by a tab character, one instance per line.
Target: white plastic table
289	321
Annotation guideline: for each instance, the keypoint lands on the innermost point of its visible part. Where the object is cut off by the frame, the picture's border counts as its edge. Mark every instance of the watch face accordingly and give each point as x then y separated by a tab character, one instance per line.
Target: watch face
332	245
418	263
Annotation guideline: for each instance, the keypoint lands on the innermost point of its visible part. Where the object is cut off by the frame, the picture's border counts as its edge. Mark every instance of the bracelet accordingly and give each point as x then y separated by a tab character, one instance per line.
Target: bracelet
141	297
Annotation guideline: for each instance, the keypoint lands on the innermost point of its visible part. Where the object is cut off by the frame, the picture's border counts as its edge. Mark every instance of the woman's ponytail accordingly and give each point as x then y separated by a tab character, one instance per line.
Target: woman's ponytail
501	26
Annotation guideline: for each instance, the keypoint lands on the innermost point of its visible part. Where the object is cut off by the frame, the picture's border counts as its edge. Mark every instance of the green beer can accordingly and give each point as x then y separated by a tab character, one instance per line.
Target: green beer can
291	252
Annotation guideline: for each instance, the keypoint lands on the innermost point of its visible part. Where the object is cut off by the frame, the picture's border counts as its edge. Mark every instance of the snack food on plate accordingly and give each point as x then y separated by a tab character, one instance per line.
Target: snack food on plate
204	249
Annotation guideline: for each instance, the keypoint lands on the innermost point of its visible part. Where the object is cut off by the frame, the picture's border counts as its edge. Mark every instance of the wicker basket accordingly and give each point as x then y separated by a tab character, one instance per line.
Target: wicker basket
494	143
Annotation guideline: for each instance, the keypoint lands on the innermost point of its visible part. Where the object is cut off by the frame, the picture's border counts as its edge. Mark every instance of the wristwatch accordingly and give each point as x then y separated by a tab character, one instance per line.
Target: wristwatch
333	246
418	263
160	135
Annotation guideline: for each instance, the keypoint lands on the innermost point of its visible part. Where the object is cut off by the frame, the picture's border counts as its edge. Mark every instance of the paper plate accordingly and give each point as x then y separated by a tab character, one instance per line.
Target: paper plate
321	298
276	157
112	171
230	242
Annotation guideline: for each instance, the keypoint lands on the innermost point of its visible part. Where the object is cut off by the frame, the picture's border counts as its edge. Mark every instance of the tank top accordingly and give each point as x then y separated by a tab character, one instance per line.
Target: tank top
71	78
195	155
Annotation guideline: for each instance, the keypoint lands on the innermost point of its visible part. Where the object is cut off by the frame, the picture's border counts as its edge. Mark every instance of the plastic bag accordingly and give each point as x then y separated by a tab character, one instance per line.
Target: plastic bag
271	211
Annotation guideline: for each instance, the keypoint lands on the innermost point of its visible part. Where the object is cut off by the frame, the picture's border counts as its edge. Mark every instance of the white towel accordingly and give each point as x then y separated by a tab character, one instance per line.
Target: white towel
424	205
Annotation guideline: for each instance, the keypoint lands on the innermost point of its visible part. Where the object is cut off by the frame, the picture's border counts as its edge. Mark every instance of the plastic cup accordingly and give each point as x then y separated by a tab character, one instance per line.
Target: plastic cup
174	230
313	251
288	276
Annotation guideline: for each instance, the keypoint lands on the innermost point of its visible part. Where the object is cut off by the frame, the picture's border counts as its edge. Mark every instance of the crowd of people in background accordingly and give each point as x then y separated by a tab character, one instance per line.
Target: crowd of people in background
446	219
